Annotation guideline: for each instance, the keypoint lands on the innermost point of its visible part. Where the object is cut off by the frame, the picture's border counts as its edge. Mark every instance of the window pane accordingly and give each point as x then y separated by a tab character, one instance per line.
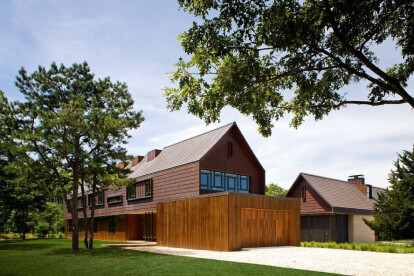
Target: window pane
244	184
100	197
112	226
205	180
148	188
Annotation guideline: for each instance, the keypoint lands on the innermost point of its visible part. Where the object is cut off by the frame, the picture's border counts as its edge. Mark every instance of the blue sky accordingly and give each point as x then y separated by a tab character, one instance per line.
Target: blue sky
136	42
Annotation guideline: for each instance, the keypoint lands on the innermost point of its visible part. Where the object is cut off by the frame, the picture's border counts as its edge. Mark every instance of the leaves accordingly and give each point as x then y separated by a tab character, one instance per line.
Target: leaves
248	54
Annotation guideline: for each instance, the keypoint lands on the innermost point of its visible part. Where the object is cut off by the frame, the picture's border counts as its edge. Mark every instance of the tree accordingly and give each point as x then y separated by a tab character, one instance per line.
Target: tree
275	190
394	208
249	54
58	121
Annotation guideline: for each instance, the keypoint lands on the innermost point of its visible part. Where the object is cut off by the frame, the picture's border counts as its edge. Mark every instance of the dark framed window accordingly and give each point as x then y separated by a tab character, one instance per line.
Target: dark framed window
205	182
114	199
112	226
95	226
303	193
148	188
98	201
80	203
132	191
219	181
69	225
230	148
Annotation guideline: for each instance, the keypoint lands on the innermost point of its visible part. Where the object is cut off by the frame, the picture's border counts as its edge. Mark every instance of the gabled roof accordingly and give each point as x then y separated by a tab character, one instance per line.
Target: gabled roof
181	153
341	195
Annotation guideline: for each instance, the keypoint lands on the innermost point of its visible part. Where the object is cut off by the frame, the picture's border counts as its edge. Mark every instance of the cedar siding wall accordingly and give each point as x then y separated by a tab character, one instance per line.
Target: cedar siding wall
176	182
242	162
314	203
228	222
103	231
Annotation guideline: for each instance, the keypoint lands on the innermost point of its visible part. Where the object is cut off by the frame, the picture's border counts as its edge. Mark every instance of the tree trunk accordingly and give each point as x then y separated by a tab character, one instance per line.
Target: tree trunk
24	236
75	226
92	227
85	215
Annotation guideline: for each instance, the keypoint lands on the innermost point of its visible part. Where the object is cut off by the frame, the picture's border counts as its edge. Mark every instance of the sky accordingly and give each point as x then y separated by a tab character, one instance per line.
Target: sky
136	42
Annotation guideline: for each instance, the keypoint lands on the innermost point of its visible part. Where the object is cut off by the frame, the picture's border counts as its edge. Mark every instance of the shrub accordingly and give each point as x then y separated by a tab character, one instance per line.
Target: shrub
42	229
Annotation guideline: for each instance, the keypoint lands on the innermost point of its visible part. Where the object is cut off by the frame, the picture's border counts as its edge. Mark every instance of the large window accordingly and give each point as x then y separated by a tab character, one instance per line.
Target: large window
114	199
112	225
98	201
219	181
141	189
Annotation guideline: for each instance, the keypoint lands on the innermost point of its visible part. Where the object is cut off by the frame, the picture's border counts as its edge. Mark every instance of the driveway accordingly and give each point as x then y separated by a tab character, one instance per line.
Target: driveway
317	259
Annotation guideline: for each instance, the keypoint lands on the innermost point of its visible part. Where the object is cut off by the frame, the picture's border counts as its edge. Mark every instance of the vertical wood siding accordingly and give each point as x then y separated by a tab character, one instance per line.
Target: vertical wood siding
224	222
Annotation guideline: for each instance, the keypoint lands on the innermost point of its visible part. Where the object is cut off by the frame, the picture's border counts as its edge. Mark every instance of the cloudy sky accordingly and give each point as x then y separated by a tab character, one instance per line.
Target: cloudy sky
136	42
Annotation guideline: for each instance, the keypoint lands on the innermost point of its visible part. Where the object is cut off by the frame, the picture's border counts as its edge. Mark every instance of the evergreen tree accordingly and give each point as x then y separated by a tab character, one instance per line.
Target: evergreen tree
394	208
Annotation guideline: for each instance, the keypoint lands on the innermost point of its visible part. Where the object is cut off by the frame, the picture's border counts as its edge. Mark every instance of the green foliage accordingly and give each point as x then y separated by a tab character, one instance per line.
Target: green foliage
249	55
42	229
275	190
394	208
374	246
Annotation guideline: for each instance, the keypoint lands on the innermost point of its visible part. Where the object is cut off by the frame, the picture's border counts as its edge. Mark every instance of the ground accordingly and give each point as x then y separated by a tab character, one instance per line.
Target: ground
55	257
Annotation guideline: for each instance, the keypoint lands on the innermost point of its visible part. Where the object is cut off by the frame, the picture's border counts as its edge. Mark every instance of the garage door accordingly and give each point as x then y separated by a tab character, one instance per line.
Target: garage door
264	227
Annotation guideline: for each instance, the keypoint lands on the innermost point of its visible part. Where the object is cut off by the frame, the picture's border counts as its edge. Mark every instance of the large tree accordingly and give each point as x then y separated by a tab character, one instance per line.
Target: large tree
394	208
59	120
250	54
275	190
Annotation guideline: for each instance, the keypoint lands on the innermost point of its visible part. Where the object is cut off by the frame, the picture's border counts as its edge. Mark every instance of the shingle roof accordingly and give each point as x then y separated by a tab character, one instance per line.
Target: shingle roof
184	152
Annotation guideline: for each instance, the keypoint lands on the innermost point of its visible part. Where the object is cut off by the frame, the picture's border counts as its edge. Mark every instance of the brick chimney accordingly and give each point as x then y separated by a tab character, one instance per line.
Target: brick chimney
121	165
359	181
136	160
152	154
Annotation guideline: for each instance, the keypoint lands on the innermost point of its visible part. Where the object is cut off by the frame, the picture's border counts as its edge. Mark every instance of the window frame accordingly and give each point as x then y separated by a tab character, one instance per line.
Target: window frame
303	193
110	222
119	199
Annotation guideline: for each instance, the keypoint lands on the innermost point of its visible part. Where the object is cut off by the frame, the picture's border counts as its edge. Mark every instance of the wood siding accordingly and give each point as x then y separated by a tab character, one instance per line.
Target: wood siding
242	161
314	203
215	222
103	231
176	182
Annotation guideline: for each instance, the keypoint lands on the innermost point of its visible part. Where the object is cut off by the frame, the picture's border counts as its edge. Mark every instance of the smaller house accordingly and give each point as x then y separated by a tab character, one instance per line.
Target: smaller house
332	210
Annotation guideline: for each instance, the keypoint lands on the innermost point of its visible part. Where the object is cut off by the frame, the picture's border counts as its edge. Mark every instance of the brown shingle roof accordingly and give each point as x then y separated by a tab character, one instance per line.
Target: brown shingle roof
184	152
338	193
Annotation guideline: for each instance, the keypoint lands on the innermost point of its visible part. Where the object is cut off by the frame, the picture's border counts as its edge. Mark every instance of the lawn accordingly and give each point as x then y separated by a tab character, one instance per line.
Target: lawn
54	257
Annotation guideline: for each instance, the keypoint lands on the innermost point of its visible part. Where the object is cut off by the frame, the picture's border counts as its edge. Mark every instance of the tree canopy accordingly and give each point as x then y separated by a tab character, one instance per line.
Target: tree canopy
394	208
275	190
68	117
250	54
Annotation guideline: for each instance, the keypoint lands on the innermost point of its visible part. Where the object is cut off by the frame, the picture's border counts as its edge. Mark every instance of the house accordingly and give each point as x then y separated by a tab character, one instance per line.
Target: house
332	210
206	178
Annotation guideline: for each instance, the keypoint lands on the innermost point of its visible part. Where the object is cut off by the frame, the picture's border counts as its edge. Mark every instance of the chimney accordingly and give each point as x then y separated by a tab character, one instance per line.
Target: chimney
136	160
359	181
152	154
121	165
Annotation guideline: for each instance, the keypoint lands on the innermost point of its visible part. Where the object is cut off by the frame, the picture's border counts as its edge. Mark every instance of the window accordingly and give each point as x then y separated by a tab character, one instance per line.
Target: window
369	191
218	181
132	191
114	199
95	226
230	148
80	203
98	201
112	226
148	189
139	190
304	193
69	225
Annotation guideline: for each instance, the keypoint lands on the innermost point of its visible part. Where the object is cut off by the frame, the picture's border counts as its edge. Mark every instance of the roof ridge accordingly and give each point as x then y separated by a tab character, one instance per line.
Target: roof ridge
326	177
200	135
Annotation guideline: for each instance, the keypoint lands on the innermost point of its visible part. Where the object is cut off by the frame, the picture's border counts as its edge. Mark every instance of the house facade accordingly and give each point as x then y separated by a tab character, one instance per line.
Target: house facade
332	210
214	162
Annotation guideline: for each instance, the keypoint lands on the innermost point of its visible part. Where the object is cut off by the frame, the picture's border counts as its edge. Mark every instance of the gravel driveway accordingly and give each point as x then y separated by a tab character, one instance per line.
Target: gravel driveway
317	259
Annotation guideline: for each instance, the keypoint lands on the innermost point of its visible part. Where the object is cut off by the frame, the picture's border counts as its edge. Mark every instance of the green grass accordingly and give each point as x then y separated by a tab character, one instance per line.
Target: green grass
372	246
55	257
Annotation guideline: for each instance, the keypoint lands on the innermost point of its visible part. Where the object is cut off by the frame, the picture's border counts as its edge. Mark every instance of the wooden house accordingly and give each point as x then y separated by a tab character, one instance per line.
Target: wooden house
332	210
213	177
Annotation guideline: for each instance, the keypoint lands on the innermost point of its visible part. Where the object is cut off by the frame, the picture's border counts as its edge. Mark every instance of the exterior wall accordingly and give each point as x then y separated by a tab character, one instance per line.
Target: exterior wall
242	162
314	203
215	222
176	182
103	231
358	230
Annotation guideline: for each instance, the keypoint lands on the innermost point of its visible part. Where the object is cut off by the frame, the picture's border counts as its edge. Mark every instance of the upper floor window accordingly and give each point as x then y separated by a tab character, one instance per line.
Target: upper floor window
114	199
98	201
219	181
141	189
304	193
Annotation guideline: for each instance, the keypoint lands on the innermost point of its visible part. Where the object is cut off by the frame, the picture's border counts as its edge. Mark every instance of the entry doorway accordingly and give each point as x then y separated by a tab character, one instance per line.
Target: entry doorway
141	226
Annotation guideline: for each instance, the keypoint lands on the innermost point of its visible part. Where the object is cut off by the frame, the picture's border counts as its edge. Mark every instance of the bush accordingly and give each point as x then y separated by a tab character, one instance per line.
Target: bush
42	229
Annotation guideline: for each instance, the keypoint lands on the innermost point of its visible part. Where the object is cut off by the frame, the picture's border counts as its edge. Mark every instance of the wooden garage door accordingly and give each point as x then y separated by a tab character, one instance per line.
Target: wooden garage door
263	227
